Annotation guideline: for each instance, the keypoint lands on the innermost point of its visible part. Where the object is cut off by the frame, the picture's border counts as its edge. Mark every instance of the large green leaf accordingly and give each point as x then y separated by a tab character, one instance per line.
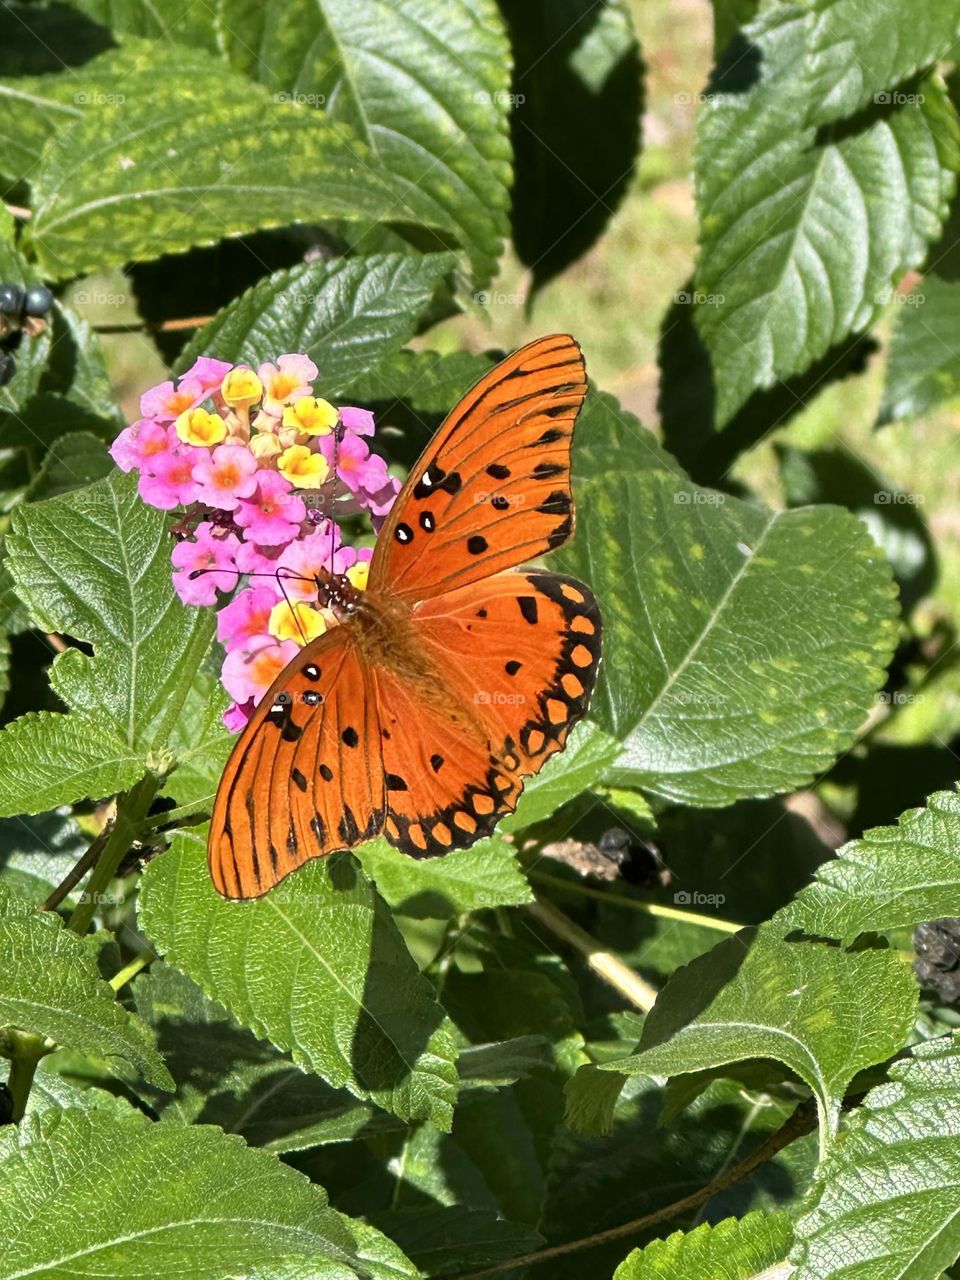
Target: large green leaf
887	1205
95	564
891	877
733	662
318	968
923	368
347	315
587	753
748	1249
145	159
757	995
86	1192
50	986
423	83
803	237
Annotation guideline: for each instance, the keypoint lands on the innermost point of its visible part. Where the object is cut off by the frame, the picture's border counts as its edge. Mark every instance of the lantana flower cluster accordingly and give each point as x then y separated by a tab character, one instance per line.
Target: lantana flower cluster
251	459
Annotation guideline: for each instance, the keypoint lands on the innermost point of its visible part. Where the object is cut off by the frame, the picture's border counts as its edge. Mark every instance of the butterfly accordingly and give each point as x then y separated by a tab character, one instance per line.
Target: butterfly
454	675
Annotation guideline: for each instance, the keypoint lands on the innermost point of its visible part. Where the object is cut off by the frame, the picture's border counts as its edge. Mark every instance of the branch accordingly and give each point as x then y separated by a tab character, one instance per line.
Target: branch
802	1121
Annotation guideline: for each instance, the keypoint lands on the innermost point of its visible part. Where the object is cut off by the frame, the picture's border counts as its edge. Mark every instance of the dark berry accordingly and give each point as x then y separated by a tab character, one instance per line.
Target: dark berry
37	301
11	299
7	367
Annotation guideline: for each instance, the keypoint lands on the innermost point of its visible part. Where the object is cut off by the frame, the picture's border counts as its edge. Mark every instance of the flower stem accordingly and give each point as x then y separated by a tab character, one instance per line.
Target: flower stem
24	1050
123	976
132	808
606	965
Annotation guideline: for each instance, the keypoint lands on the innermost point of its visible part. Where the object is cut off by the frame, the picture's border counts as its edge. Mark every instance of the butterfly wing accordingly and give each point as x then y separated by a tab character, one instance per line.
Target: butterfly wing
305	777
492	489
516	661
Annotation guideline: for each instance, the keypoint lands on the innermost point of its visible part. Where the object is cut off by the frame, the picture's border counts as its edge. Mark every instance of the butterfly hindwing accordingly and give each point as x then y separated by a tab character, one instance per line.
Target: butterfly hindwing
492	488
517	657
305	777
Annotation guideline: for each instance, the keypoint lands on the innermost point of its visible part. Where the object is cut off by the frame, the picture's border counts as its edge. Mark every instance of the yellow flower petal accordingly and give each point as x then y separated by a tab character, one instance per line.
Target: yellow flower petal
241	388
197	426
296	621
264	444
302	467
358	574
311	416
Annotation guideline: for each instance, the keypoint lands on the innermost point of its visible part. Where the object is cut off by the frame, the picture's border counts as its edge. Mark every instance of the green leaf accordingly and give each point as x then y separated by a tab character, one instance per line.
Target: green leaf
424	84
179	20
318	968
430	383
923	368
890	878
75	460
456	1238
591	1097
347	315
859	52
757	995
748	1249
886	1205
733	662
95	564
575	125
802	237
485	875
147	161
214	1207
36	853
224	1075
47	759
50	986
491	1066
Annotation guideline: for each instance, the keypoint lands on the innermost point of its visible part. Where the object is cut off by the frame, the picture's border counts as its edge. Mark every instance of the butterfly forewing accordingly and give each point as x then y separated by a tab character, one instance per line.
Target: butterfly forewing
518	658
305	777
492	490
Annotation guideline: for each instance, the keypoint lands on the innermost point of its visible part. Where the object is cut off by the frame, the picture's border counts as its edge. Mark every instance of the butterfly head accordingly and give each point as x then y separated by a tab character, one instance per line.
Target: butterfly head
337	593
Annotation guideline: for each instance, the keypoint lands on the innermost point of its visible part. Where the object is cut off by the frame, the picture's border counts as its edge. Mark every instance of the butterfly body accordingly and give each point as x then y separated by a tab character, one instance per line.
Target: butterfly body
454	675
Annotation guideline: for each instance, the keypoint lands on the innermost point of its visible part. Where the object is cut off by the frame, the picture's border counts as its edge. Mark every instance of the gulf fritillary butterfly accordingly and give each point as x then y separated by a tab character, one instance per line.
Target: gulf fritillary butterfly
453	676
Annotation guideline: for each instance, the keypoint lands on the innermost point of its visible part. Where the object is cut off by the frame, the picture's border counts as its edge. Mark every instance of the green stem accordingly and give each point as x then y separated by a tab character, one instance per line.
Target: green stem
634	904
123	976
24	1051
132	808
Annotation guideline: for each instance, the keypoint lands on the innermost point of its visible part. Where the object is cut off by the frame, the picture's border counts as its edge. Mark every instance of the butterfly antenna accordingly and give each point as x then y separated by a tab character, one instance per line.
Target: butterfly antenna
337	437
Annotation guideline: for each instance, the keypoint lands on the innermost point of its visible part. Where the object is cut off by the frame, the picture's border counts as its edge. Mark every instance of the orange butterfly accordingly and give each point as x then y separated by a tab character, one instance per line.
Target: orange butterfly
453	676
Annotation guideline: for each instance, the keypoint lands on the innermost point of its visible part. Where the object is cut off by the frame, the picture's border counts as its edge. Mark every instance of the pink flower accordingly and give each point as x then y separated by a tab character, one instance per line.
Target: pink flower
380	501
206	373
225	475
302	561
246	617
364	473
168	481
359	421
137	444
166	402
249	672
236	715
273	514
258	560
205	564
286	381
